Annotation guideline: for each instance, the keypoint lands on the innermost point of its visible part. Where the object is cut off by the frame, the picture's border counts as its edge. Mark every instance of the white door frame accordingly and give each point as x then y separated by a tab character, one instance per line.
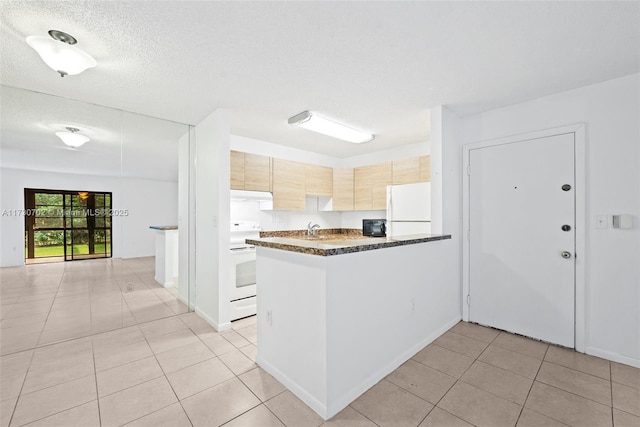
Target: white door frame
580	211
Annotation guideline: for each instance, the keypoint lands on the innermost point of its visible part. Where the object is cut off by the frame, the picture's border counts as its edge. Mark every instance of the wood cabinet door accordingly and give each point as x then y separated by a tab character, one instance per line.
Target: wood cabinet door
257	172
288	185
363	183
381	177
343	189
406	171
425	168
237	170
319	180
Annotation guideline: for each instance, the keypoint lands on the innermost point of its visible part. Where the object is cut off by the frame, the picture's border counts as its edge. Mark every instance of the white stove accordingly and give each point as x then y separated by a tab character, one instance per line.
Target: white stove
241	231
242	281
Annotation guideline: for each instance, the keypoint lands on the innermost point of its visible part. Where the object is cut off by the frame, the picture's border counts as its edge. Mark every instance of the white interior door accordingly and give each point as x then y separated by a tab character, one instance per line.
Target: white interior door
519	280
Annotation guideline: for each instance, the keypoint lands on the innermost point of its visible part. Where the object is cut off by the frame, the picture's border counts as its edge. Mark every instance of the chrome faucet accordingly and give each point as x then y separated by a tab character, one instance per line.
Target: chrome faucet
312	230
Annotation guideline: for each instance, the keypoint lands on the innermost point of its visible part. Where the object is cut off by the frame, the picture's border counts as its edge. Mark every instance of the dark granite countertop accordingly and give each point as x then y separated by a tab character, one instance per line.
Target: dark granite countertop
163	227
339	243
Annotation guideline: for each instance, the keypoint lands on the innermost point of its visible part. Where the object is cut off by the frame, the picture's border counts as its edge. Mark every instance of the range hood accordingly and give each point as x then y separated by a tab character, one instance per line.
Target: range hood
264	198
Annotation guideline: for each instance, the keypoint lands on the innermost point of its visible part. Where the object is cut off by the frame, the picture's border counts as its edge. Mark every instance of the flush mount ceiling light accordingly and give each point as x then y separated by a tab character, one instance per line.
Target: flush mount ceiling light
59	53
313	121
72	138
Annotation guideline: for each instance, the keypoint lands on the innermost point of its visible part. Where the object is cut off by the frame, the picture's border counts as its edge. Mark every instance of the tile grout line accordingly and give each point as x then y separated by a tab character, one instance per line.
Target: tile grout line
95	373
33	350
349	406
460	378
46	320
613	420
575	394
55	413
13	412
456	379
532	383
152	379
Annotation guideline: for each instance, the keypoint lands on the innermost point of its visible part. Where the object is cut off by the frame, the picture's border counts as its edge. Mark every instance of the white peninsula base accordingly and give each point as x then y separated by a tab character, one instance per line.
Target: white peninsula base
166	255
330	327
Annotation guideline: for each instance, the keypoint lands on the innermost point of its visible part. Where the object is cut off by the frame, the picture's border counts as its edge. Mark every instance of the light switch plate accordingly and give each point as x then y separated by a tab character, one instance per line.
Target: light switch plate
602	222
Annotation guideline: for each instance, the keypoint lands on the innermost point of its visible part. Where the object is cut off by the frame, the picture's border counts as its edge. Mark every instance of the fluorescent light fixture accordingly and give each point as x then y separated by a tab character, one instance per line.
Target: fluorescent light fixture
72	138
59	53
313	121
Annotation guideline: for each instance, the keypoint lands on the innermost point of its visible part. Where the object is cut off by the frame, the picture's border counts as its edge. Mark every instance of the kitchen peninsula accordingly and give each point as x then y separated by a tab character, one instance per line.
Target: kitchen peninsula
338	312
166	254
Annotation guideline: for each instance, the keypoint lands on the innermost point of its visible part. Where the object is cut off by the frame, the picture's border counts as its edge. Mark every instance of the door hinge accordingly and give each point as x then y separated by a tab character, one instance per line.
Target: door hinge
468	299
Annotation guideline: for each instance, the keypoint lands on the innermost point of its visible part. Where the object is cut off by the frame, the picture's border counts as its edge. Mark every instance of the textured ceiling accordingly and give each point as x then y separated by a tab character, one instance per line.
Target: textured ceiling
377	65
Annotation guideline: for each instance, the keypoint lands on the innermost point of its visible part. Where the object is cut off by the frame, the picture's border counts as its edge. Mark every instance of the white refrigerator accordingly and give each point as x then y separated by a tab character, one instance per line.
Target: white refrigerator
409	209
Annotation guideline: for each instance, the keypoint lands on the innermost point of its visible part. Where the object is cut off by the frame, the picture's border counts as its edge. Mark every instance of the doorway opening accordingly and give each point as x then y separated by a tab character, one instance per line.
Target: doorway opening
64	225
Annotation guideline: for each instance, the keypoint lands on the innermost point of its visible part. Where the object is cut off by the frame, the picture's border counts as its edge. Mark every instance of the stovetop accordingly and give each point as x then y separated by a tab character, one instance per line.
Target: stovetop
241	231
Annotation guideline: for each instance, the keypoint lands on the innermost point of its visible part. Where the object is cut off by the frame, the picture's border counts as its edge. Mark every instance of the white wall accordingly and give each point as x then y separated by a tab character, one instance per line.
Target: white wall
212	196
148	202
285	220
397	153
611	112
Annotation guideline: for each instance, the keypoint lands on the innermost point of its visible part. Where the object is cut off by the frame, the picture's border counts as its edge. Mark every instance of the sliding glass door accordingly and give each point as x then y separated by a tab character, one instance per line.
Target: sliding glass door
68	225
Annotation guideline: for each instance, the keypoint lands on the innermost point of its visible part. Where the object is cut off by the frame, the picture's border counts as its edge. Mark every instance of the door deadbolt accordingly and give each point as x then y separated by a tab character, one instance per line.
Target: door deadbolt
566	187
566	227
566	254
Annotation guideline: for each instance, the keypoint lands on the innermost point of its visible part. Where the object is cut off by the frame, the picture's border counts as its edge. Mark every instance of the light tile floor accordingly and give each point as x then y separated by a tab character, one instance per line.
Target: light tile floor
99	343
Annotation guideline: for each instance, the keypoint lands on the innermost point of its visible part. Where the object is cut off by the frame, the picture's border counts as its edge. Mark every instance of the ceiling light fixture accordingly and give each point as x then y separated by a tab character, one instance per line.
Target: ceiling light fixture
59	53
313	121
72	138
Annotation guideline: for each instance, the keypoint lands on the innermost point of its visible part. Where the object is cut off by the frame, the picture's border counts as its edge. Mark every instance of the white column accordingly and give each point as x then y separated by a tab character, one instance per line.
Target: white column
212	183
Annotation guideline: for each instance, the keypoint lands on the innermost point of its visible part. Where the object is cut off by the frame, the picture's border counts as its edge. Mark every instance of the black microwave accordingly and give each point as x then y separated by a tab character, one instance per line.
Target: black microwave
374	227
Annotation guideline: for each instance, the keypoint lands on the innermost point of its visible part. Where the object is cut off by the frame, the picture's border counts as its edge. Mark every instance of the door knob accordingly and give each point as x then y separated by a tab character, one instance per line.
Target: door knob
566	227
566	254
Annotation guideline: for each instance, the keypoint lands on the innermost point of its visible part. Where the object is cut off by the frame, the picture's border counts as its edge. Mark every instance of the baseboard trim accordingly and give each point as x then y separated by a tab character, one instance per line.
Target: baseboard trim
165	284
342	402
292	386
218	327
614	357
326	411
182	299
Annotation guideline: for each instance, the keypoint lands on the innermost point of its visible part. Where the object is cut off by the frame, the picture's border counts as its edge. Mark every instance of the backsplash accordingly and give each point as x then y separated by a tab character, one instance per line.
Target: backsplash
320	232
298	220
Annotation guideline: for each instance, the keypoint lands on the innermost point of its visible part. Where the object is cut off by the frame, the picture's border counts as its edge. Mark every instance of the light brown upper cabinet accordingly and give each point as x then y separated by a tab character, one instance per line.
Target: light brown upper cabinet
288	185
250	172
370	186
343	189
257	172
406	171
425	168
363	182
237	170
319	180
381	177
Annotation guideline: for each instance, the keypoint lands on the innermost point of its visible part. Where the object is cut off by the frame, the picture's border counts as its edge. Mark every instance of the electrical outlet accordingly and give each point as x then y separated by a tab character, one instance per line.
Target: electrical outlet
269	317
